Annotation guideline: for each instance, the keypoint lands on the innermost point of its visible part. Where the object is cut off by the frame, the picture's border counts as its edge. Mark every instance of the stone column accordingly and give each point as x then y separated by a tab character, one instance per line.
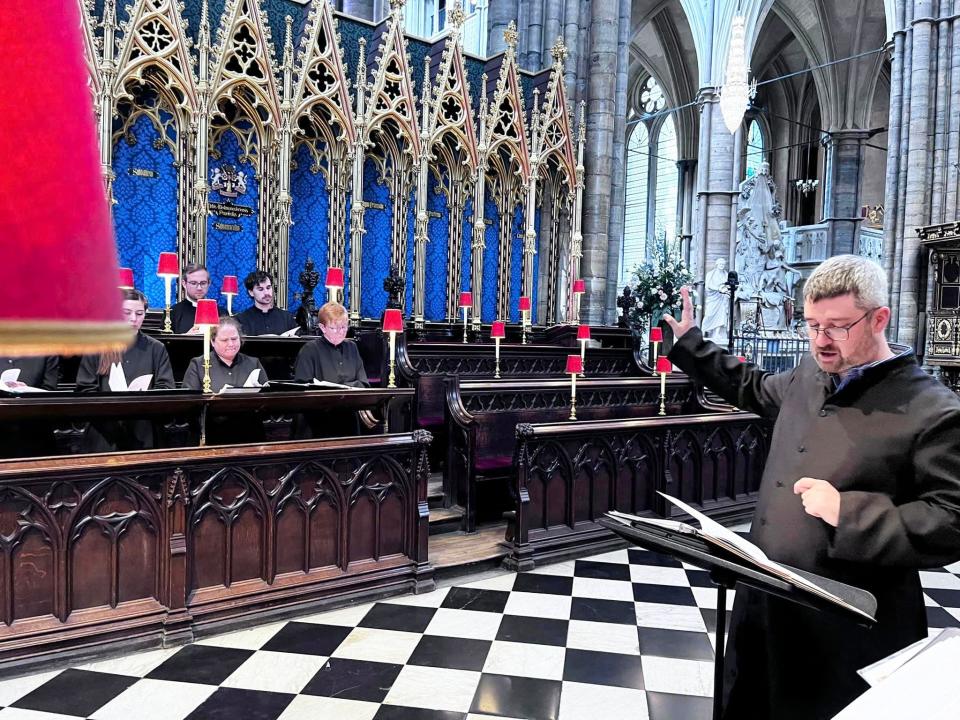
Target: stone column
841	192
359	8
502	13
599	161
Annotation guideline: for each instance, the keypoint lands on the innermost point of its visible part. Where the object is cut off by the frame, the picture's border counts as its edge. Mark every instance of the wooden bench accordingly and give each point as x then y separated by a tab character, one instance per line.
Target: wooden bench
481	418
152	548
567	475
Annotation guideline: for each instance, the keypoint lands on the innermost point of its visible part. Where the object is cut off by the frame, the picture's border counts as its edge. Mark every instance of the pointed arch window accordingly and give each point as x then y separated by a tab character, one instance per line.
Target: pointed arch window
667	182
756	148
636	200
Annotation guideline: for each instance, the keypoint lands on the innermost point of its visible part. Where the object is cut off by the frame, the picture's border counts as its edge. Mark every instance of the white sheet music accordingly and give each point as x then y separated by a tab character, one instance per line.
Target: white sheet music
924	688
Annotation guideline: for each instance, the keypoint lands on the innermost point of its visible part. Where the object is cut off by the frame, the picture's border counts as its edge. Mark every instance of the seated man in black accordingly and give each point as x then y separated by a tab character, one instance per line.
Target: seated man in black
332	358
195	281
228	366
145	356
263	318
28	438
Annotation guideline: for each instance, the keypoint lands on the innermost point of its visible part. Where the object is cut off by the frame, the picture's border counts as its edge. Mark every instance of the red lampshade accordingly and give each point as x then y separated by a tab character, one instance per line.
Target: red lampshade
574	365
168	264
583	332
55	230
524	303
392	320
334	277
741	358
579	286
664	365
230	285
125	280
498	329
466	299
656	334
207	313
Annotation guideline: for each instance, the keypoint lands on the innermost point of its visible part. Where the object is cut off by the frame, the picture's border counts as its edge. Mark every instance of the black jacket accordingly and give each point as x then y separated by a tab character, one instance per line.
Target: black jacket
273	322
222	374
334	363
889	441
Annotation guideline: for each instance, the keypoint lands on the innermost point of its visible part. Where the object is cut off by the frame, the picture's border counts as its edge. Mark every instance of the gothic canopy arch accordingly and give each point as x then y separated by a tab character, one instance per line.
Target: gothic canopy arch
321	80
244	61
504	122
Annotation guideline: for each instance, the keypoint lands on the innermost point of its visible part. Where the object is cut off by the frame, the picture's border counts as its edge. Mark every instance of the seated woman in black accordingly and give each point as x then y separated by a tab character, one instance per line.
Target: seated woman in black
228	366
28	438
145	356
334	359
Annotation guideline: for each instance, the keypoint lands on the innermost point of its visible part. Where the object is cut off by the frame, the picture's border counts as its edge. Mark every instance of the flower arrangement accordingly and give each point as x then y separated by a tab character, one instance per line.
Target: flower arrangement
656	288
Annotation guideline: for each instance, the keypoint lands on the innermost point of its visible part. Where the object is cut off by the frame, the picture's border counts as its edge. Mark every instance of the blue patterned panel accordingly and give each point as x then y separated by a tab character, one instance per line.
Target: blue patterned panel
277	11
536	263
191	13
438	252
346	254
516	263
233	251
311	224
375	265
474	69
145	216
350	33
491	261
466	252
411	228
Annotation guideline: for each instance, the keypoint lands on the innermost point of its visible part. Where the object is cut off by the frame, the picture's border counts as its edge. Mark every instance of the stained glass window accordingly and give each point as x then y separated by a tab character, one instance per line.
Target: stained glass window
635	205
667	182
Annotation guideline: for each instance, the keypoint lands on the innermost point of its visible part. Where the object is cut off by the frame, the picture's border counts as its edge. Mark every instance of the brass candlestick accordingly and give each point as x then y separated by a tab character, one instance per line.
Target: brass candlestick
167	326
573	396
207	388
464	323
663	393
392	377
496	363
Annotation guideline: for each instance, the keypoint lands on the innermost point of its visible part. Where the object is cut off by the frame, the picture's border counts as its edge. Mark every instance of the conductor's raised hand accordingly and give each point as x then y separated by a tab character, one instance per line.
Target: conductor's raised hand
686	320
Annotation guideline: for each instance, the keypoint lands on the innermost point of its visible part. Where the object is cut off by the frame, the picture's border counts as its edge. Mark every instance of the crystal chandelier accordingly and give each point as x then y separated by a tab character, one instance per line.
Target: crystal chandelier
737	91
806	186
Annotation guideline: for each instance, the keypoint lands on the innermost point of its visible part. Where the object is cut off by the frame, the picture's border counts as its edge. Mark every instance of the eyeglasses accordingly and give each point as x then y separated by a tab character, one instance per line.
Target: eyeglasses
836	333
198	283
337	328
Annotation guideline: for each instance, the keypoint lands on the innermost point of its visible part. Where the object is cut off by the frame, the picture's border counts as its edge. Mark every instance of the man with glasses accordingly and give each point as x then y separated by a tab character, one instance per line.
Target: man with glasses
195	281
861	484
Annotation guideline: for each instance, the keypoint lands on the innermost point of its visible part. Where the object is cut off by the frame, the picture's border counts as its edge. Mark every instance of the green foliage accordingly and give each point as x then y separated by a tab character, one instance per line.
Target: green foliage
656	287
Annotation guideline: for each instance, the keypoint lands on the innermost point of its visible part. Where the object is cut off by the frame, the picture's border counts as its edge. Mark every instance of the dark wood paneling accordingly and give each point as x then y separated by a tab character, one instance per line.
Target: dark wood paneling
198	538
567	475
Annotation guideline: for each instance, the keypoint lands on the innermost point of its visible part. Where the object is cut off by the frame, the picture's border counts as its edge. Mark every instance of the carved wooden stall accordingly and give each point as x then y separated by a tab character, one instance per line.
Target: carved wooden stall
481	418
941	294
140	549
567	475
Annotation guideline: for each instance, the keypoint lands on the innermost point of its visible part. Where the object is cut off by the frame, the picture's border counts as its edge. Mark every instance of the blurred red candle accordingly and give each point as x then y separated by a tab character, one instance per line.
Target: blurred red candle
466	299
579	286
574	365
498	330
583	332
168	265
125	280
334	277
664	365
392	321
656	335
207	313
230	285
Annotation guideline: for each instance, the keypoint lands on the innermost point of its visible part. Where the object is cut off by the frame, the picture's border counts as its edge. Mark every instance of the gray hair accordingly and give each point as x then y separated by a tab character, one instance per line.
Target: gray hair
848	274
228	321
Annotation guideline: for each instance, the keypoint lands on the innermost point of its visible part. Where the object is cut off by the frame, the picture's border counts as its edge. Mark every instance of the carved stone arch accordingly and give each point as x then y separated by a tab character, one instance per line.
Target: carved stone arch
451	110
245	58
91	51
391	95
321	79
157	38
506	115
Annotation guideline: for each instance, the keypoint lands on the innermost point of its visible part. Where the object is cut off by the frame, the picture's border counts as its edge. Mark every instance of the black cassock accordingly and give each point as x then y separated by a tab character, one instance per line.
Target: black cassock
275	321
340	364
183	316
889	441
145	357
235	427
30	438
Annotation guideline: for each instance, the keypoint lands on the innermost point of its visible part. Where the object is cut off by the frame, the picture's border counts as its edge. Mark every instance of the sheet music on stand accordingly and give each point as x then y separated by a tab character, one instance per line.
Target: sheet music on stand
918	682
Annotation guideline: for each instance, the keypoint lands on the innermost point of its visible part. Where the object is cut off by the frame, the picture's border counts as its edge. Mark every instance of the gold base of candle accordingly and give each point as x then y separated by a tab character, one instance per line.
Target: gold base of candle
167	326
392	378
663	405
523	334
496	369
207	388
573	408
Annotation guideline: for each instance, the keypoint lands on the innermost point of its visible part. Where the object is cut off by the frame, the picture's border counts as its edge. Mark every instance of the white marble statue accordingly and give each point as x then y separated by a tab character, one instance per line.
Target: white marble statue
716	314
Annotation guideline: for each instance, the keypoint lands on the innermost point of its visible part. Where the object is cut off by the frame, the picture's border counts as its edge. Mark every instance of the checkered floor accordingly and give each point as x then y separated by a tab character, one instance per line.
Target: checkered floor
620	635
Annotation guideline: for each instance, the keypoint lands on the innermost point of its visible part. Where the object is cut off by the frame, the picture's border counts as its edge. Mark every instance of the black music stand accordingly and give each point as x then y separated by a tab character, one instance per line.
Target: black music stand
726	570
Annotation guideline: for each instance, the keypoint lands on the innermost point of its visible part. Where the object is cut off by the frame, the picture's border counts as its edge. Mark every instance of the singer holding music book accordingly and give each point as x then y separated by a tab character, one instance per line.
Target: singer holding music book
861	485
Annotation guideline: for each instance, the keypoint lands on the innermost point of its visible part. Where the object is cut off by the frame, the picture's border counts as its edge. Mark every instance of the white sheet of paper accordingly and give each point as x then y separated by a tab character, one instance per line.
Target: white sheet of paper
328	384
117	380
253	380
924	687
292	332
11	375
139	384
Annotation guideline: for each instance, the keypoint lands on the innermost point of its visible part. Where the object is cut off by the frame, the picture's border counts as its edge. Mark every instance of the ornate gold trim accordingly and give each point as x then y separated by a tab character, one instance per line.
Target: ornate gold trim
62	337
